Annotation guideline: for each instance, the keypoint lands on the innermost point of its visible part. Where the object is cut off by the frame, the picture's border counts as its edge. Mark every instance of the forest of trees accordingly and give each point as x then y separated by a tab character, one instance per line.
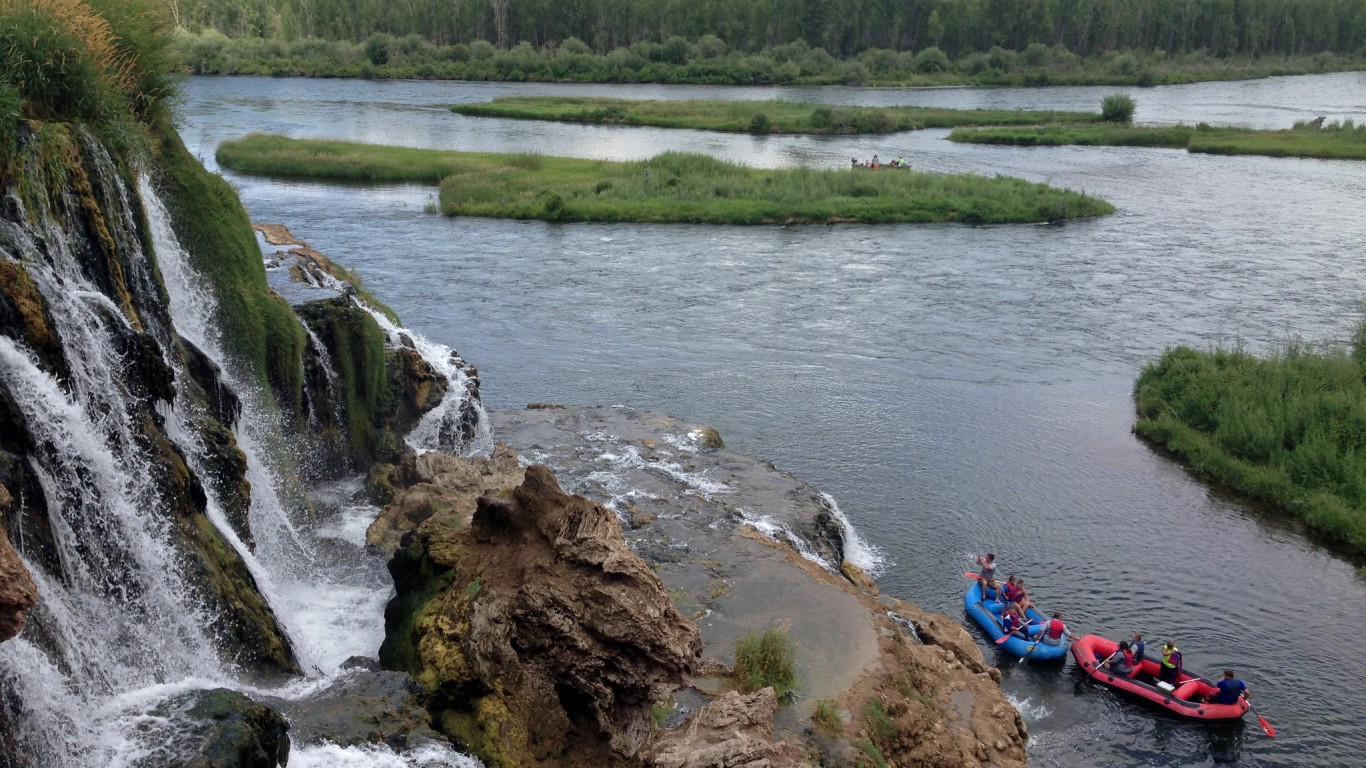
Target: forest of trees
843	28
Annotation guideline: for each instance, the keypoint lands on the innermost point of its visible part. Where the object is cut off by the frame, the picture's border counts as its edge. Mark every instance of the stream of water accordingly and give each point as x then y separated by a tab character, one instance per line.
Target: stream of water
955	389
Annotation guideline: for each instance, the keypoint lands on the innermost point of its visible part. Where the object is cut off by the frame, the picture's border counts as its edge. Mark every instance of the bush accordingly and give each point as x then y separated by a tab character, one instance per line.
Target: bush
377	48
1118	108
764	659
931	60
760	123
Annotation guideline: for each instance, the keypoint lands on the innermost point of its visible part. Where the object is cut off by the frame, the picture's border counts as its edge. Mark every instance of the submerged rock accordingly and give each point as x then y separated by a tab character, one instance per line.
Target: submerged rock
362	707
216	728
539	636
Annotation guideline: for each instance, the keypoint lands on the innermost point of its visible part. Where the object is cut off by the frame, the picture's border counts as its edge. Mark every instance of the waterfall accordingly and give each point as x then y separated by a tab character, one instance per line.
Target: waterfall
119	627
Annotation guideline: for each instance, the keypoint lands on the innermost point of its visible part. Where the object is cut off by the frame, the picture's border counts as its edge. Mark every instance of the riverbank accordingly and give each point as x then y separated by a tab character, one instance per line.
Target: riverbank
775	116
1334	141
1288	430
702	62
671	187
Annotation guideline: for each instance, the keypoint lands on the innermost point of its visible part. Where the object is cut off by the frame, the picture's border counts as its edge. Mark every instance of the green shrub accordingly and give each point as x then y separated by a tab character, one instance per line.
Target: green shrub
760	123
931	60
1118	108
766	658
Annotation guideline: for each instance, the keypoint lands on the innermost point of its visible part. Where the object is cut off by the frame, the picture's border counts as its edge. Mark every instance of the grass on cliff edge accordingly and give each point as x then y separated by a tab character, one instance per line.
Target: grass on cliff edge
1289	429
756	116
1334	141
672	187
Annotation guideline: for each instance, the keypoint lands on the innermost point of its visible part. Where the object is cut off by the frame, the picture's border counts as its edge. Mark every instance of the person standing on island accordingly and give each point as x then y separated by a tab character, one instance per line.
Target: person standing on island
1230	689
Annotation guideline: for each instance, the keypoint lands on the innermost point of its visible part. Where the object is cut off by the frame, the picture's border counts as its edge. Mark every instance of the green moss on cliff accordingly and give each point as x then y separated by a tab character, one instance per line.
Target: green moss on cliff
258	327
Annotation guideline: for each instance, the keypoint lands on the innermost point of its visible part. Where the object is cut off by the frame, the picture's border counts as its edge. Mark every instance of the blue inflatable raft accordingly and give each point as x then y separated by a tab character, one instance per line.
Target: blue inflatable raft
987	614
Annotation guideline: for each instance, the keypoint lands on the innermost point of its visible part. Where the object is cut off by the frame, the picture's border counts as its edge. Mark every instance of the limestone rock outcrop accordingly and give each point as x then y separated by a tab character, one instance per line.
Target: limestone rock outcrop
734	731
438	483
547	640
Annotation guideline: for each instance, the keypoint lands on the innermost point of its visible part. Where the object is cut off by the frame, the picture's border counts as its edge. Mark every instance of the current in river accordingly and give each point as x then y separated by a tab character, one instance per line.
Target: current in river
957	389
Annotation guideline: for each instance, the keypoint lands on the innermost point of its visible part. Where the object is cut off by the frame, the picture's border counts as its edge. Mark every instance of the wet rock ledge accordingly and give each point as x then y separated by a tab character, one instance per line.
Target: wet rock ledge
597	627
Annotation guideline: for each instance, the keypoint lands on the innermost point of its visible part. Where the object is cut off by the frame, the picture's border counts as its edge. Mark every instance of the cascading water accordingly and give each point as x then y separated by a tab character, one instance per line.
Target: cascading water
119	627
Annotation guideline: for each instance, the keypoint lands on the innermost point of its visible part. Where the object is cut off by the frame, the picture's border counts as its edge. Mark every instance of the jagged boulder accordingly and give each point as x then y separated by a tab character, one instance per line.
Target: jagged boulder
538	634
441	483
733	730
18	593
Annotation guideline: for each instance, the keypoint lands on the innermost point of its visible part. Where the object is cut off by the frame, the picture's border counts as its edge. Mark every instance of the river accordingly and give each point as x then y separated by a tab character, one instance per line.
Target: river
956	389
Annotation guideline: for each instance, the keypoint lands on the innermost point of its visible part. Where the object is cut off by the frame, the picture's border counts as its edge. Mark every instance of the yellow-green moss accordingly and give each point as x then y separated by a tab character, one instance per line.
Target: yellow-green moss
490	731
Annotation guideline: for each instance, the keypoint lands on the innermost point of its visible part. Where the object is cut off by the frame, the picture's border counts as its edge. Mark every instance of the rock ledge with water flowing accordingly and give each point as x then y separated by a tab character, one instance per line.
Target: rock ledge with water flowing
738	546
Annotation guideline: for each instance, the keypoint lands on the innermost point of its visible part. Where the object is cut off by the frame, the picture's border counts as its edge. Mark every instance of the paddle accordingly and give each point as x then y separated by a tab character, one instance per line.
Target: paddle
1262	721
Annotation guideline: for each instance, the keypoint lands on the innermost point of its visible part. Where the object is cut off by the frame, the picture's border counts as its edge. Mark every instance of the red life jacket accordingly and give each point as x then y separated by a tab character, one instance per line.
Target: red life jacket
1056	628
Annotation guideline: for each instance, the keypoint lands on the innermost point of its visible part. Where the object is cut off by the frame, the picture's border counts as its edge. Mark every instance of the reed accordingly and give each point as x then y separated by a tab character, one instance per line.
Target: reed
1335	141
671	187
768	116
1288	429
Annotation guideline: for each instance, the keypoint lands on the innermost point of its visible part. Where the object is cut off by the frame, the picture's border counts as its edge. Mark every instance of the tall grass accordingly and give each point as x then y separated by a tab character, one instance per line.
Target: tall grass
1288	429
765	658
744	116
103	63
1337	141
671	187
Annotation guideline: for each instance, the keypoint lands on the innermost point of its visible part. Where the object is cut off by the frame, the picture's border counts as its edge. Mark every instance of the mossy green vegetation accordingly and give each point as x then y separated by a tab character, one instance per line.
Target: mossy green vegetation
1334	141
765	658
1288	429
672	187
757	116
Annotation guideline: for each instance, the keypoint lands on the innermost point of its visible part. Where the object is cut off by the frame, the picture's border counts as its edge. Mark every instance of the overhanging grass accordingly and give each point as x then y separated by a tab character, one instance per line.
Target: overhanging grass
1337	141
757	116
1289	430
672	187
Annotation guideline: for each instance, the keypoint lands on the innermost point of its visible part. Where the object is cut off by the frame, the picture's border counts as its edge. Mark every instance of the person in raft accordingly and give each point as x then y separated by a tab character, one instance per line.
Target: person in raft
1014	622
1054	629
1006	594
1121	662
1138	645
1171	663
1230	689
875	162
1021	600
986	577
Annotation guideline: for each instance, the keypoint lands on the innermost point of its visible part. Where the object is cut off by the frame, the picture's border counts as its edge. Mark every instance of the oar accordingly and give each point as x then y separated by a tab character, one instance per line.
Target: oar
971	575
1262	721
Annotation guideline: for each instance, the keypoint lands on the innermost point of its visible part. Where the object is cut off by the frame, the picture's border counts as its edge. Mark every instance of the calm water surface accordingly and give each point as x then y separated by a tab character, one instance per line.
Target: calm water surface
955	388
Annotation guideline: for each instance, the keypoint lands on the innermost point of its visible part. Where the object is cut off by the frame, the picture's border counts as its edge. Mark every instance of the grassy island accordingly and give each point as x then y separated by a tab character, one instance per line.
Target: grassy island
1334	141
1288	430
671	187
757	116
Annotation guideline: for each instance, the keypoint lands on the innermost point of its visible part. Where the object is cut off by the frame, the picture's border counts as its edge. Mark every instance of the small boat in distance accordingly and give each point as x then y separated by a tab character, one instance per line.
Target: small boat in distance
987	614
1190	697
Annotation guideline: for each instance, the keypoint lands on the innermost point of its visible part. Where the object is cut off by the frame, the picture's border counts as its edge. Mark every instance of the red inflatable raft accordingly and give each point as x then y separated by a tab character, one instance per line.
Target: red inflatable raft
1188	698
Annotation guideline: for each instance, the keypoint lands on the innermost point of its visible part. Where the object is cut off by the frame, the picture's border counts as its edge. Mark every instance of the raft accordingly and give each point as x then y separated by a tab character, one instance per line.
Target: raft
1186	699
987	614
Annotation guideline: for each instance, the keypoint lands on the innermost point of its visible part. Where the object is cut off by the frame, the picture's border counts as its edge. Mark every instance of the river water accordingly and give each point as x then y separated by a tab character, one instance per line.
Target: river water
956	389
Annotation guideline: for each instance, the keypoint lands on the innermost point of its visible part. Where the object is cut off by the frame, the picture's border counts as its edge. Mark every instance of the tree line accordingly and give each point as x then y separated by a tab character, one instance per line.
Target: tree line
843	28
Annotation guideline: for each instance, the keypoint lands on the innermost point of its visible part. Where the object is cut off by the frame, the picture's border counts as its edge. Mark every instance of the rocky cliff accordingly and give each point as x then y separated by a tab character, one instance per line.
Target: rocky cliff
533	652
